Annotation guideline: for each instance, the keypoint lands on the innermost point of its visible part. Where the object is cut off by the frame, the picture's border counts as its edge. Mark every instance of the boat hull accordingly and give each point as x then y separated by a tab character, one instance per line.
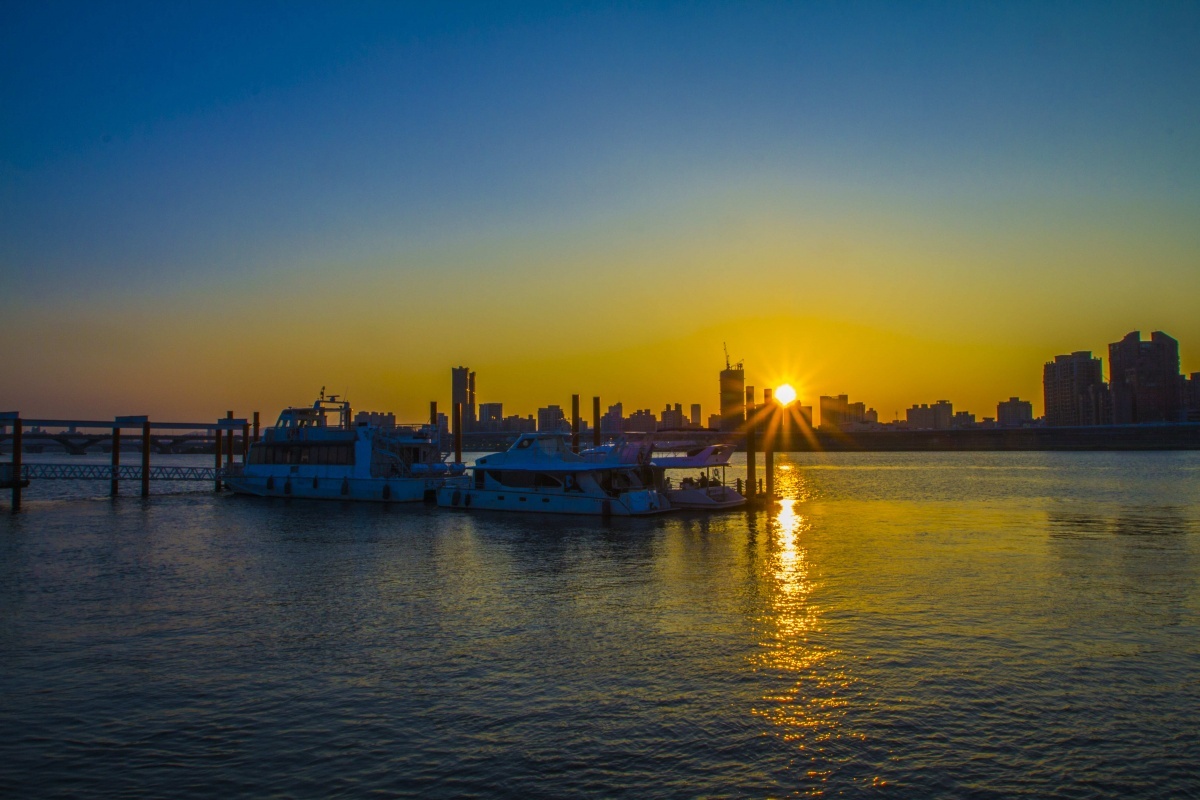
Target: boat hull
712	498
377	490
628	504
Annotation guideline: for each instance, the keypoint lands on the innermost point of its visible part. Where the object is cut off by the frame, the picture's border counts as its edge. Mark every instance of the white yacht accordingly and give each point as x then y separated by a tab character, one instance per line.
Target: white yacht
539	473
707	489
307	455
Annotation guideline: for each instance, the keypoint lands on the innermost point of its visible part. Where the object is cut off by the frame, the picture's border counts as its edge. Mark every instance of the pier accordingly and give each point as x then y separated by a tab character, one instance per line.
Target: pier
228	438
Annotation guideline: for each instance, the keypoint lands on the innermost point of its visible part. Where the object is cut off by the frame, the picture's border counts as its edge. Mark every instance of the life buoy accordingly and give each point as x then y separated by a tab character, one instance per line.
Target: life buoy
315	484
270	483
455	498
467	501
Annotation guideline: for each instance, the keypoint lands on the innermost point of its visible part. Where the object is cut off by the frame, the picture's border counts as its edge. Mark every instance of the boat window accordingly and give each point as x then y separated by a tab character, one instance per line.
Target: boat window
516	478
546	480
524	443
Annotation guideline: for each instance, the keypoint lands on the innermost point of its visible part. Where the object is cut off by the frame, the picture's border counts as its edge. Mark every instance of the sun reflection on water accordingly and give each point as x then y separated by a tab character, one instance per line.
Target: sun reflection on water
813	691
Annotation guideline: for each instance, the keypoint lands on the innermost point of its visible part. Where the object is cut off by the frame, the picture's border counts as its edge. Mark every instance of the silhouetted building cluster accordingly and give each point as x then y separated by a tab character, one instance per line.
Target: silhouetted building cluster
1014	413
1144	385
838	413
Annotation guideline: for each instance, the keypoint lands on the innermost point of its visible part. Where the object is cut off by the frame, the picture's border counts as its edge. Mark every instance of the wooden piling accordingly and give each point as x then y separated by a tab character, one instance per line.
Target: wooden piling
769	418
245	442
115	488
256	428
218	433
146	458
458	433
751	425
229	441
16	464
574	423
596	421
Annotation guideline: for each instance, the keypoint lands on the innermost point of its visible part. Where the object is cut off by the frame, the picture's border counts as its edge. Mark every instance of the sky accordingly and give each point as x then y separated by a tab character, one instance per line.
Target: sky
226	206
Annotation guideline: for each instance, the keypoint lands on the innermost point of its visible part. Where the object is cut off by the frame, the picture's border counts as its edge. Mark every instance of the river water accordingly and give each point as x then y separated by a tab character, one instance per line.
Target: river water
907	625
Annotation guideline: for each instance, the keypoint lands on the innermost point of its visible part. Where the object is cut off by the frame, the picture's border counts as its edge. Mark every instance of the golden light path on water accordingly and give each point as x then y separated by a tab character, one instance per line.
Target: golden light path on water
813	691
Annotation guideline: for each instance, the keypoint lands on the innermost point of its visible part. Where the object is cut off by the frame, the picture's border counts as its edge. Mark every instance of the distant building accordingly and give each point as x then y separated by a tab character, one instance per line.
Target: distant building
377	419
935	417
519	424
462	390
552	420
1144	379
1014	413
695	415
962	419
642	420
1074	391
491	416
1191	396
614	421
838	413
733	398
672	418
714	422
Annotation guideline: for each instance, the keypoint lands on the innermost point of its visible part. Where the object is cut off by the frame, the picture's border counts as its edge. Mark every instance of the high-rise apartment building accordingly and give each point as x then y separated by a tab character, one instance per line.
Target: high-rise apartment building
1074	391
937	416
1014	412
672	418
491	416
462	390
733	397
1144	379
695	415
551	419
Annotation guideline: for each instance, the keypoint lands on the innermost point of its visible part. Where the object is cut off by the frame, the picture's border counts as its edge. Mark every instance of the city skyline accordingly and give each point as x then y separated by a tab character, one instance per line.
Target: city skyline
219	208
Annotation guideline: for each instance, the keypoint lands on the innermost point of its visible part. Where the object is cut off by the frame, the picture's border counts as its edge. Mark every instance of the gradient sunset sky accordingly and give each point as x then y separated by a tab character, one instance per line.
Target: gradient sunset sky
210	206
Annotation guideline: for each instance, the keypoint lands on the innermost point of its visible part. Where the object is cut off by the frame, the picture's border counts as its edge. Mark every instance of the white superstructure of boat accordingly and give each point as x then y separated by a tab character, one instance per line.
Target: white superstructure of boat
707	488
306	455
539	473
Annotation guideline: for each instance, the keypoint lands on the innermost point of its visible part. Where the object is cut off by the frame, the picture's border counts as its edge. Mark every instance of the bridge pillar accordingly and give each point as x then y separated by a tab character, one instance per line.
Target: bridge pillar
751	425
574	423
769	418
16	464
146	458
115	488
596	421
218	433
229	441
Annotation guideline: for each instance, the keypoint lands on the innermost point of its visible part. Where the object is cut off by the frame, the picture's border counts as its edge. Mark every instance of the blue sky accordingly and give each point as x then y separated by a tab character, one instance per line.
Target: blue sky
955	167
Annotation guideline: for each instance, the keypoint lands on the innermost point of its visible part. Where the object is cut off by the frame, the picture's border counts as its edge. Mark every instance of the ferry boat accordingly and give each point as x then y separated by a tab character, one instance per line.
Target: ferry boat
539	473
706	491
308	455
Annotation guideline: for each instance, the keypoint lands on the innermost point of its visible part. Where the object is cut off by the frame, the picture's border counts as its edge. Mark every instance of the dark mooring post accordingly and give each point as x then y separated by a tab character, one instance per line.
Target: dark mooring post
458	433
595	422
146	458
574	423
229	441
751	467
218	433
16	463
245	442
768	413
256	428
115	489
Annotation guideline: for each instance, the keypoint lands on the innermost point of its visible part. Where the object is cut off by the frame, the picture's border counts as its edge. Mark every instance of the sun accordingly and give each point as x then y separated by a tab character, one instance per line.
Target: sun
785	394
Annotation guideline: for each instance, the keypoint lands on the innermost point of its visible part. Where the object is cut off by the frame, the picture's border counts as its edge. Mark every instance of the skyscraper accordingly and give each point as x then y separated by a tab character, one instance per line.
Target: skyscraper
462	390
1145	380
1074	391
733	401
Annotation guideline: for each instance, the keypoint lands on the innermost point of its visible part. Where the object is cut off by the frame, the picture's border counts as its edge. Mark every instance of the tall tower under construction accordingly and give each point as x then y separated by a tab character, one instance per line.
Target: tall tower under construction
733	399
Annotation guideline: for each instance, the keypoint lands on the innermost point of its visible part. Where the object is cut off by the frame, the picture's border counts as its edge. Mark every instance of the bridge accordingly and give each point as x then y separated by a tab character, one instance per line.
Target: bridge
221	436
